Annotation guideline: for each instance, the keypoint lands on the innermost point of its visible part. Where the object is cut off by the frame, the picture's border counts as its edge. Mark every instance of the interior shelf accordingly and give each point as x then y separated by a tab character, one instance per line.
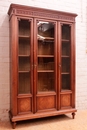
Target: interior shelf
65	73
45	55
46	93
24	37
24	55
45	38
65	40
44	71
23	71
65	56
63	91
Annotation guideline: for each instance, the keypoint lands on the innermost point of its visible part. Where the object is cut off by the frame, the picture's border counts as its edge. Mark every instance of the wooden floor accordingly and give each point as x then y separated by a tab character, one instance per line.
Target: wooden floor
63	122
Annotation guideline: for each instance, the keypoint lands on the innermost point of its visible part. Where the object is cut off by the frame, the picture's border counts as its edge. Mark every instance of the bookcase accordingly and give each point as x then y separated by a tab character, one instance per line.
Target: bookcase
42	69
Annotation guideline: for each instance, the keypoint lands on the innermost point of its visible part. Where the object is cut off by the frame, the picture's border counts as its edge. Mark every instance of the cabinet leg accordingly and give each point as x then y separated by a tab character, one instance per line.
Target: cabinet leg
73	115
13	125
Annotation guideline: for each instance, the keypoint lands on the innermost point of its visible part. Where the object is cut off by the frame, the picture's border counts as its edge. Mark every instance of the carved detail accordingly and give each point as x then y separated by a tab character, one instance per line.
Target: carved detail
24	12
48	15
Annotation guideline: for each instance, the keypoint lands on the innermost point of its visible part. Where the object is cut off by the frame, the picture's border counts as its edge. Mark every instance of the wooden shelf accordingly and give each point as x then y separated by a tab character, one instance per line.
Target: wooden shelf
46	93
65	40
25	71
44	38
24	95
44	71
24	55
46	41
24	37
63	91
45	56
64	56
65	73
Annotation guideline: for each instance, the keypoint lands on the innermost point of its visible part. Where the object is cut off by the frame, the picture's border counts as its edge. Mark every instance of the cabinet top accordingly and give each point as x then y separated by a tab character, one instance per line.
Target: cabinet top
22	10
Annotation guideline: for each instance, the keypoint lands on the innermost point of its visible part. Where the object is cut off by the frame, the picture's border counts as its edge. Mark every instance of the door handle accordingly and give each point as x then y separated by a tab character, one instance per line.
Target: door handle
59	65
35	65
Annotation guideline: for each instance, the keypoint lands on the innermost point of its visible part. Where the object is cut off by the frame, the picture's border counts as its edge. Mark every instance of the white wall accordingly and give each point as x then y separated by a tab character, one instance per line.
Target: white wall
73	6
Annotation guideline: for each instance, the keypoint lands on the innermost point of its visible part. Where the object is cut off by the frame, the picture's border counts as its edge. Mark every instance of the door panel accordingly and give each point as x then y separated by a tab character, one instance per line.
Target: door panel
46	102
24	105
66	101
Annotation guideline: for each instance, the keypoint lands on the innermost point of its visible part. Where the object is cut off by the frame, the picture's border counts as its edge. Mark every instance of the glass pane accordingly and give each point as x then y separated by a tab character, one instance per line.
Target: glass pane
24	64
66	48
65	65
66	31
45	63
24	56
65	82
24	46
45	38
65	57
45	81
24	27
45	54
24	80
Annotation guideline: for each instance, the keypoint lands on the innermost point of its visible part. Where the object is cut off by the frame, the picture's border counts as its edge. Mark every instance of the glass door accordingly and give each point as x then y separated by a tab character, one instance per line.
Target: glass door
46	63
25	61
66	61
66	57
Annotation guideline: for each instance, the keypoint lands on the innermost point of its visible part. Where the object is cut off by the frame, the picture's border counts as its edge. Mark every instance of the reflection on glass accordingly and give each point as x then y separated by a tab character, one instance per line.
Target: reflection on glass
45	38
24	56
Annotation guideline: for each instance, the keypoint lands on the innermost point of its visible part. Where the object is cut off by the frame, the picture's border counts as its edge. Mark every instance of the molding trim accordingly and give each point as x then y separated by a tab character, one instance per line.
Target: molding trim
45	15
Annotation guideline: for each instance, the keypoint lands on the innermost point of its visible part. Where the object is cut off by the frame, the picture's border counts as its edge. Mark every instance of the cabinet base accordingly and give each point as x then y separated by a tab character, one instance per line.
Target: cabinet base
21	117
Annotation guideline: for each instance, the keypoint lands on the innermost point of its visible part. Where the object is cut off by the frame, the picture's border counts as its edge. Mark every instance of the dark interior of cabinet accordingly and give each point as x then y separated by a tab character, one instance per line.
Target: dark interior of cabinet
45	63
66	49
65	82
24	27
65	64
24	83
66	31
45	81
24	46
24	63
45	47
